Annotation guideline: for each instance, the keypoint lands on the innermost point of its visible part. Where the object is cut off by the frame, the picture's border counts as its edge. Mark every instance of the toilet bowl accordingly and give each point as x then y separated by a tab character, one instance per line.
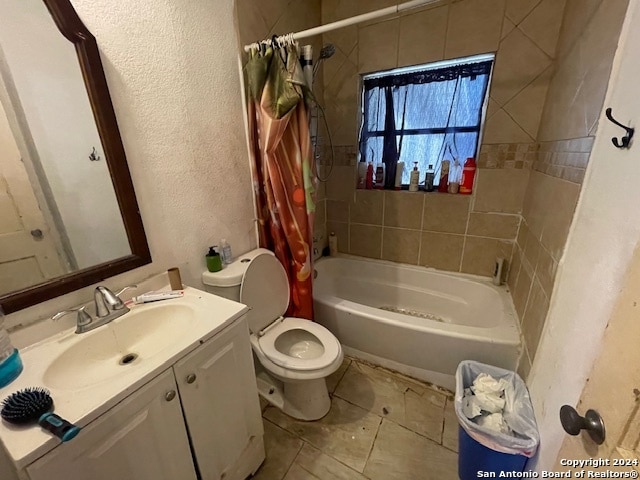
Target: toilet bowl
294	355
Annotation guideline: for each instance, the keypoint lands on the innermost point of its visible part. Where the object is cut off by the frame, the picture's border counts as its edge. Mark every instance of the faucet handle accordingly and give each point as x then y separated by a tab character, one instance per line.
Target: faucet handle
125	289
83	318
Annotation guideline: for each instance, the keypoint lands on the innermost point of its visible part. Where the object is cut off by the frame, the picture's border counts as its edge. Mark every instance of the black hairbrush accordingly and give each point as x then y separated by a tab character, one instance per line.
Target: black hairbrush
34	405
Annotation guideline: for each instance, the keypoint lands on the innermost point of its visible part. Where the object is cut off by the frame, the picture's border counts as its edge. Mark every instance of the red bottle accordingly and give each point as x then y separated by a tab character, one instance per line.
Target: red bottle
369	181
468	175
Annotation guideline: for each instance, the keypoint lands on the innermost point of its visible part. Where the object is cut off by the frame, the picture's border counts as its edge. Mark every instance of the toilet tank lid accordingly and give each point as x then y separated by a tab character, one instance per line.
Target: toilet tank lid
231	275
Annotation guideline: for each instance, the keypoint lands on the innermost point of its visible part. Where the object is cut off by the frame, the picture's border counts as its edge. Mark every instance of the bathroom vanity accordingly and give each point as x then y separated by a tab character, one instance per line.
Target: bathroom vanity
185	407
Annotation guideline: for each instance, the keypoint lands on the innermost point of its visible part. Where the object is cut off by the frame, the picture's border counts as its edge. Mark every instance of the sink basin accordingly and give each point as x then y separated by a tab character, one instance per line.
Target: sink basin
123	344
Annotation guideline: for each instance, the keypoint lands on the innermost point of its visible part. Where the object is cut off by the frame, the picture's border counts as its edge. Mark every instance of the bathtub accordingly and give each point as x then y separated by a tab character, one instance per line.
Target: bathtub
419	321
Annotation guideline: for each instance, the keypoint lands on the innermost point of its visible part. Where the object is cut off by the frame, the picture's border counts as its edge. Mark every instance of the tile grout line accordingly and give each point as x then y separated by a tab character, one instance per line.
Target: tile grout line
341	378
373	444
386	374
424	206
446	31
464	238
384	205
384	417
294	459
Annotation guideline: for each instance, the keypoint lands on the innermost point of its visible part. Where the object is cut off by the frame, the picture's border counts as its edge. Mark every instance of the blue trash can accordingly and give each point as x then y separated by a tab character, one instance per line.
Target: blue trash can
474	457
486	450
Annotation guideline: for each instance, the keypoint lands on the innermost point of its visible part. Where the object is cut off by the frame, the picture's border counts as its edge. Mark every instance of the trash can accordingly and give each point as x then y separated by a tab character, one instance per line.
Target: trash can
481	449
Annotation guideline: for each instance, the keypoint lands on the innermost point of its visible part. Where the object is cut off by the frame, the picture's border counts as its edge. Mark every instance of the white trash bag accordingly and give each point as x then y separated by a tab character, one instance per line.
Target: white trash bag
499	403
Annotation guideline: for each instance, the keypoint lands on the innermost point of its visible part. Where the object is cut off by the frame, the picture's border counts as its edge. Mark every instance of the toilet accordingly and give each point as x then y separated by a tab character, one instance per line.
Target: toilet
294	355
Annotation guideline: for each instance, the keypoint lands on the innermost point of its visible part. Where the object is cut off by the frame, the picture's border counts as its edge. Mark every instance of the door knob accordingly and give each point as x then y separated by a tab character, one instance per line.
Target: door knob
191	378
170	395
573	423
37	233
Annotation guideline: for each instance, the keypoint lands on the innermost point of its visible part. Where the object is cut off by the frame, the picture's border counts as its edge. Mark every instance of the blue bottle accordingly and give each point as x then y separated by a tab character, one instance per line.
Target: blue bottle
10	362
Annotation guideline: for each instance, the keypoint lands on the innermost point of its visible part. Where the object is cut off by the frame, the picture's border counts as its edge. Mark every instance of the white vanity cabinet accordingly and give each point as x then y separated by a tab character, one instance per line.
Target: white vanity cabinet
142	437
203	413
220	401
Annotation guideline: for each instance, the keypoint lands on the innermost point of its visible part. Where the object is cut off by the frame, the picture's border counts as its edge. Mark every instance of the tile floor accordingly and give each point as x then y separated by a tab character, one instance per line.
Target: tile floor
381	426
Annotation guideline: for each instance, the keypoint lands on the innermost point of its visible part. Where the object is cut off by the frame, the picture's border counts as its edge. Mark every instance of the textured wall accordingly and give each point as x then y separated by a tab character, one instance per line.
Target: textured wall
438	230
586	46
174	82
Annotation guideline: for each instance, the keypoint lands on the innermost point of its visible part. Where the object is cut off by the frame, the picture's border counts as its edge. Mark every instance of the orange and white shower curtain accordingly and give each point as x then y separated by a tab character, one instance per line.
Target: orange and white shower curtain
282	166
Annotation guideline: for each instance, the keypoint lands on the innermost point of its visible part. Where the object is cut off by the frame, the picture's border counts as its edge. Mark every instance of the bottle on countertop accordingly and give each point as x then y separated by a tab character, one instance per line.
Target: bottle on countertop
429	178
414	179
6	349
214	262
10	362
225	252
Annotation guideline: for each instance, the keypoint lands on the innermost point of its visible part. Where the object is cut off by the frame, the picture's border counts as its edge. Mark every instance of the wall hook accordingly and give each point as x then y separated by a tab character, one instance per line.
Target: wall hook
93	156
624	141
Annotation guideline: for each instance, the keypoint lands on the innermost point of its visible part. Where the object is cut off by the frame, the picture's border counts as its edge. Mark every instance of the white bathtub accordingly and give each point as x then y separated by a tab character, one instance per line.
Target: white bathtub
453	317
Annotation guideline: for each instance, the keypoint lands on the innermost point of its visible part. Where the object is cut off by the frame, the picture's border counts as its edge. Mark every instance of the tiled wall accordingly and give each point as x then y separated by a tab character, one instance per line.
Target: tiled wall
440	230
586	47
260	20
449	232
547	93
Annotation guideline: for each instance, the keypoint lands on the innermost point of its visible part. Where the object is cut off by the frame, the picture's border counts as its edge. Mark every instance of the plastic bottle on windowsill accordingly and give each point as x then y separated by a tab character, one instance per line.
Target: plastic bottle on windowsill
444	177
369	180
380	174
414	179
429	179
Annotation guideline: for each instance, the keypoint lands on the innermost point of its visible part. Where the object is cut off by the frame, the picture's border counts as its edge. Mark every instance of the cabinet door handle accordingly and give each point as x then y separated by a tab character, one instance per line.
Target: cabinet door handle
191	378
170	395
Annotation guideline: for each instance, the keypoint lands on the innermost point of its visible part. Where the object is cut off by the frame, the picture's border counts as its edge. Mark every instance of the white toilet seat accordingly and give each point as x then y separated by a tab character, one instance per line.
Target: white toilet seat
332	348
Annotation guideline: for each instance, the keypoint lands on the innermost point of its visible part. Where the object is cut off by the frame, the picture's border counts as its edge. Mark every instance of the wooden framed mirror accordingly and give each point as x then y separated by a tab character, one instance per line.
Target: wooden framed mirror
105	195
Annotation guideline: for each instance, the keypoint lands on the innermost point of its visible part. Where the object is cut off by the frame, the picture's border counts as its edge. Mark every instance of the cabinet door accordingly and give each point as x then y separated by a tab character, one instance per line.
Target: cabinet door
143	437
219	396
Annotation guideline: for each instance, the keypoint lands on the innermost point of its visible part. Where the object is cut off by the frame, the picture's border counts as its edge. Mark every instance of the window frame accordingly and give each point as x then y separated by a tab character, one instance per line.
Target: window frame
364	134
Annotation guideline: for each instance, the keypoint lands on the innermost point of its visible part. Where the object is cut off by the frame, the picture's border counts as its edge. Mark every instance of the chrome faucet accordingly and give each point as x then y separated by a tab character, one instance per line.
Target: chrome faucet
109	306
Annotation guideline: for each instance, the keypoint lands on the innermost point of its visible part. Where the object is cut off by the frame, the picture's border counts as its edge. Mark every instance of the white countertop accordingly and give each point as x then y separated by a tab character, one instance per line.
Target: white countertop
83	405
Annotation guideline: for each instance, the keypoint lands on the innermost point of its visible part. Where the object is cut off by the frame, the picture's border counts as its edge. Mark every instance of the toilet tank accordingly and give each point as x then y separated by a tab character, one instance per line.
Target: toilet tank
227	282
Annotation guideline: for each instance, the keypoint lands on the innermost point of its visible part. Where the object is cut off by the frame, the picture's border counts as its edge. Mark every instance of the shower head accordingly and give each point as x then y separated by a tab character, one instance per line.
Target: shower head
327	51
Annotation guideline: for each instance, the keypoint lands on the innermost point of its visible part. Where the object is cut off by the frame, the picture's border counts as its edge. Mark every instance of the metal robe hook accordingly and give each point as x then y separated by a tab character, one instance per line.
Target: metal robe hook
624	141
93	156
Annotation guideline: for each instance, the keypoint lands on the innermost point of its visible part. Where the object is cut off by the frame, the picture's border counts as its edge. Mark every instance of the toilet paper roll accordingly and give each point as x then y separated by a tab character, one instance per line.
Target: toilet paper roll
175	280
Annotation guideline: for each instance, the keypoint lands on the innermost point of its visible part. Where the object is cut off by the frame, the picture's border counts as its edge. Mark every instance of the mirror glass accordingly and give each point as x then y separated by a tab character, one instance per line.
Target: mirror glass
58	208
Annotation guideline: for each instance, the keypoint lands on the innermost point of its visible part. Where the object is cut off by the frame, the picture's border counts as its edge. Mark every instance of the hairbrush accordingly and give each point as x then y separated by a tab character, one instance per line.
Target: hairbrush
35	405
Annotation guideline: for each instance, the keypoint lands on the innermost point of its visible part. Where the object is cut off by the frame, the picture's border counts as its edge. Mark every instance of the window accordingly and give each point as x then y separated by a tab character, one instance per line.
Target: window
424	114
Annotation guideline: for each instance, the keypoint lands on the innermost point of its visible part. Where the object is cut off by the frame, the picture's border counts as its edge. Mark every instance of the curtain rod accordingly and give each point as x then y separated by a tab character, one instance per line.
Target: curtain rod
383	12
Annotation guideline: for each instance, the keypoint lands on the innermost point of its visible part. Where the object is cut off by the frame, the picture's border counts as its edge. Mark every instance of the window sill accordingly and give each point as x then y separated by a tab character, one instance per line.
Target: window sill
406	190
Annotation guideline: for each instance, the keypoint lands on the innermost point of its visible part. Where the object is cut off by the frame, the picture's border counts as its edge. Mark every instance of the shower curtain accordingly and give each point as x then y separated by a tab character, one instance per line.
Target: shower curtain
282	166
